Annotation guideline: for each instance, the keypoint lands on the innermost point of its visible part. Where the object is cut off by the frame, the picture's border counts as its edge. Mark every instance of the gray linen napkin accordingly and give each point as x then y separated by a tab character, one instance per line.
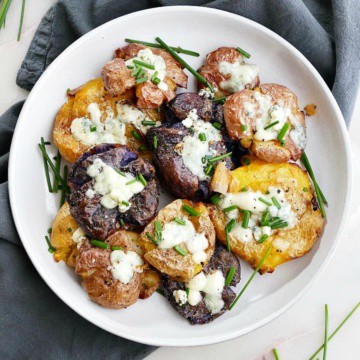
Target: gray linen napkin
34	323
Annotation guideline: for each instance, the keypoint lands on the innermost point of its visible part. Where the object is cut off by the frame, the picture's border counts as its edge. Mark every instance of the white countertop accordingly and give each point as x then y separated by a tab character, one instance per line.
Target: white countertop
298	332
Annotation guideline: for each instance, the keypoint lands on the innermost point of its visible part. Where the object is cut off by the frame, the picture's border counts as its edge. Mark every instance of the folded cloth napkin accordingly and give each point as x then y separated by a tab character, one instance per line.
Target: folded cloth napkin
34	323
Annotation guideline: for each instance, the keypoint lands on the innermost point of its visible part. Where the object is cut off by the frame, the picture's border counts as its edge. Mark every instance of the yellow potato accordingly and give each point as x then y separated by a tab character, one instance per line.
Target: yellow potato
169	261
76	106
64	226
287	244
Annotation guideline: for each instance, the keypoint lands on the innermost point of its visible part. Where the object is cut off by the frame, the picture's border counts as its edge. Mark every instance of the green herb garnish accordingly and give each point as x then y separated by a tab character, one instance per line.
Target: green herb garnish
271	125
142	179
131	181
99	243
220	157
220	100
158	231
180	250
245	222
179	221
215	199
243	52
190	210
148	122
263	238
230	276
246	161
155	142
51	249
230	208
250	278
141	80
126	203
144	64
64	189
326	331
283	132
202	137
217	125
268	203
275	202
136	135
116	248
276	354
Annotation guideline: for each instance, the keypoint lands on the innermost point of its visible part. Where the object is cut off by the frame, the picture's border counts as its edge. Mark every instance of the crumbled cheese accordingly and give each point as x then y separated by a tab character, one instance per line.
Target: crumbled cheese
147	56
193	150
241	74
206	93
112	186
78	237
125	264
212	285
174	234
180	296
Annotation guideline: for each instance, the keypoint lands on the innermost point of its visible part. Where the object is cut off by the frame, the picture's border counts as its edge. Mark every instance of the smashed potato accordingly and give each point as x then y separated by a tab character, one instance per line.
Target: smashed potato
63	228
286	243
268	121
181	267
77	107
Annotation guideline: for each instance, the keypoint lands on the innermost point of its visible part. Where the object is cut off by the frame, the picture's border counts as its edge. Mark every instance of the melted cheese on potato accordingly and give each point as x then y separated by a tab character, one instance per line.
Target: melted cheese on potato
194	150
240	73
125	264
115	188
174	234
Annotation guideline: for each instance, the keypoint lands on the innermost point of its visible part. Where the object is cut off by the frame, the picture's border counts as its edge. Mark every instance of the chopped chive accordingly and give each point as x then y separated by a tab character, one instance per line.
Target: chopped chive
184	63
131	182
155	142
179	221
229	226
190	210
265	201
156	81
142	179
305	189
275	202
65	188
276	354
217	158
141	73
271	125
220	100
161	292
122	222
208	169
177	49
250	278
99	244
246	161
21	20
230	208
116	248
262	238
202	137
126	203
243	128
130	67
135	71
57	166
326	331
283	132
203	160
180	250
120	173
69	229
348	316
148	122
230	276
136	135
49	230
144	64
187	290
142	148
215	199
158	231
51	249
92	128
154	75
244	189
141	80
150	237
46	167
319	194
243	52
3	11
50	163
280	225
245	222
217	125
265	216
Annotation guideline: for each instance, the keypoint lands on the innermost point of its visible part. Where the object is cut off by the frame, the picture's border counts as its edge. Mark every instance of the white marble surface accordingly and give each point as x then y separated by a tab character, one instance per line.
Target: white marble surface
299	331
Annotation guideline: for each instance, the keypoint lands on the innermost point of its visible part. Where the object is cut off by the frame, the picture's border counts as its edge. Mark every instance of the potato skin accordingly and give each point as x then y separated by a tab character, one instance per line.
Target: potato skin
299	240
63	228
236	116
76	106
92	265
168	261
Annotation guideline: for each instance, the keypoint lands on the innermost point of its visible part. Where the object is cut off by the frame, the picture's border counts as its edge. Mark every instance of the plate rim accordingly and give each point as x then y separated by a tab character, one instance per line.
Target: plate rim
212	339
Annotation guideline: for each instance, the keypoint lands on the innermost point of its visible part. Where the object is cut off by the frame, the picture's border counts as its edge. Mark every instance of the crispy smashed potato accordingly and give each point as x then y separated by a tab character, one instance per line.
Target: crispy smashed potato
287	244
77	106
243	110
227	79
169	261
63	228
220	180
310	109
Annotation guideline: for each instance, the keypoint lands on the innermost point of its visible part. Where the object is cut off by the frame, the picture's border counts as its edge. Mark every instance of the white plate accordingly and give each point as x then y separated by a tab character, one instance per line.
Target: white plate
154	321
